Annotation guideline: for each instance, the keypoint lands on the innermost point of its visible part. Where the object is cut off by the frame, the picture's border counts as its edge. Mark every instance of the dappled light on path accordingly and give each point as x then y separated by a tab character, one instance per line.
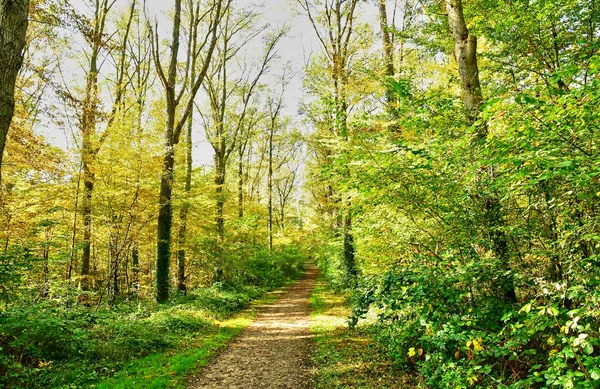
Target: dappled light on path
274	351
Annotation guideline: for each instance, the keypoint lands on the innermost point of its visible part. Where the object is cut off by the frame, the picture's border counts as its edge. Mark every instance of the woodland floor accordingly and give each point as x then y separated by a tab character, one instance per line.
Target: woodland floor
274	351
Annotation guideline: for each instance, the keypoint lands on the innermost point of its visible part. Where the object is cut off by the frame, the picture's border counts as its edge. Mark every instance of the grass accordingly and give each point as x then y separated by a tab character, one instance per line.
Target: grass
169	370
126	346
348	357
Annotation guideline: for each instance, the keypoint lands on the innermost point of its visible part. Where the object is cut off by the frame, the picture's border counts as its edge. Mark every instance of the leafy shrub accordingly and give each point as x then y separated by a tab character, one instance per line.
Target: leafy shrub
459	339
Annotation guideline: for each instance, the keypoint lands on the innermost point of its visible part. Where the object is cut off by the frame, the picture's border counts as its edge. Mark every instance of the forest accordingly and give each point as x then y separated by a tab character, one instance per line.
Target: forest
167	167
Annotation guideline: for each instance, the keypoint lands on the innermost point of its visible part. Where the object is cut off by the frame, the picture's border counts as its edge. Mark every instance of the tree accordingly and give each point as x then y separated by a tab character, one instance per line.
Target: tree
89	107
274	107
224	125
194	21
176	119
465	52
388	49
13	27
334	26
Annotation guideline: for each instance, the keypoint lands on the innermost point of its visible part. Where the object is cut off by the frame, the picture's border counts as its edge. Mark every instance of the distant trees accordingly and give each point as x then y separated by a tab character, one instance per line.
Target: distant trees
88	211
225	124
334	24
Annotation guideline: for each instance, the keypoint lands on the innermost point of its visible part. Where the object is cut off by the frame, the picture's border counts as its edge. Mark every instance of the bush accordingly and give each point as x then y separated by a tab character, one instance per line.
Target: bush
462	339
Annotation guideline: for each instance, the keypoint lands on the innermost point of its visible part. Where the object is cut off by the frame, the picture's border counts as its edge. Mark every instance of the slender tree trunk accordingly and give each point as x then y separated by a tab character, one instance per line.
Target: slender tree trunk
46	270
388	53
465	51
86	212
114	273
270	183
349	259
73	254
13	27
135	267
181	260
219	181
241	184
220	196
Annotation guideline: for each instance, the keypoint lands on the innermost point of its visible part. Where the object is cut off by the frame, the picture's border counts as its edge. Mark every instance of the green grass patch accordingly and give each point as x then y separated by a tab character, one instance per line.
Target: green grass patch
129	345
348	357
170	369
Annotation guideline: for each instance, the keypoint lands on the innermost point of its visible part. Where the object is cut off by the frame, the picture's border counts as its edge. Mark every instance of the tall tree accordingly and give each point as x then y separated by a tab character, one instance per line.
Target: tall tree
334	27
176	119
224	126
13	27
89	107
274	106
388	51
465	52
194	21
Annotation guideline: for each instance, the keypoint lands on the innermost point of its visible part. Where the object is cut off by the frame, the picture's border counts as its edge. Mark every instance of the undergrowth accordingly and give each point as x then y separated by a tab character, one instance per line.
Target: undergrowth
348	357
133	344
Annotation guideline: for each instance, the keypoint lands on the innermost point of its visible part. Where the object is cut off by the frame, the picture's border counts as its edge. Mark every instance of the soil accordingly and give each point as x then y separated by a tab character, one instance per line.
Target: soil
274	351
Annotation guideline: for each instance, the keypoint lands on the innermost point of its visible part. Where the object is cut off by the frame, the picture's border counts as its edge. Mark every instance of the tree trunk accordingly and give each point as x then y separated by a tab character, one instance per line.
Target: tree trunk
13	27
86	211
88	130
135	267
219	180
241	185
349	260
220	197
270	183
184	212
165	213
388	54
465	50
172	132
165	217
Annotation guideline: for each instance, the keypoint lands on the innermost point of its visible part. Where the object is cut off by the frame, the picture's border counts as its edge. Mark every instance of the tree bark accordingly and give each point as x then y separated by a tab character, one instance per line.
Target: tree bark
465	51
388	53
88	129
183	215
171	138
270	183
182	235
13	27
349	259
241	184
135	268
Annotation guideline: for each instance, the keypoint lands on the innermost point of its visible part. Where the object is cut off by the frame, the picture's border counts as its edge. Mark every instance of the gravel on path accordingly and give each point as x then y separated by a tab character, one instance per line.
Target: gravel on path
274	351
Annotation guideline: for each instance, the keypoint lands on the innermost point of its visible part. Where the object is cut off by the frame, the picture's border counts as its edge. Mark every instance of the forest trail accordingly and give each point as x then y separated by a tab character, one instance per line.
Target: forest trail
274	351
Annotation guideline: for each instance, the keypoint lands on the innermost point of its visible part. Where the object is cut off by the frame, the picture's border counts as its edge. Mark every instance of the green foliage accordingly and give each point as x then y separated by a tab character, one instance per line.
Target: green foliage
48	345
13	264
446	222
260	267
348	358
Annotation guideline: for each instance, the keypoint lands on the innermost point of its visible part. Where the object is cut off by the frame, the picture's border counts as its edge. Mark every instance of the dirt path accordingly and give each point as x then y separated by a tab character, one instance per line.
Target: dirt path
273	352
